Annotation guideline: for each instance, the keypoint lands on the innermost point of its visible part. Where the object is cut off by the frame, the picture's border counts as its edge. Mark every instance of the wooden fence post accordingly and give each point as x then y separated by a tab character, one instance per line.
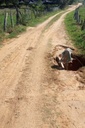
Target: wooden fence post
11	19
5	21
79	19
83	25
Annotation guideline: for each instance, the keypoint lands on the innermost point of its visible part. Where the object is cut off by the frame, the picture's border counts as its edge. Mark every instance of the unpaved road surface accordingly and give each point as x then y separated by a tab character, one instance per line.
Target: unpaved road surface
34	94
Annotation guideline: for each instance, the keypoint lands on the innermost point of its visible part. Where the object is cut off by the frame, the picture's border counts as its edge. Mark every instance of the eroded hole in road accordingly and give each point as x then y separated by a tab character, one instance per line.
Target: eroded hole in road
78	60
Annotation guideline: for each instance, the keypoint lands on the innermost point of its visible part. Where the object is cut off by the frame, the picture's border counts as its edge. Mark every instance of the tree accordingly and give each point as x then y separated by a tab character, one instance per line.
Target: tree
14	2
8	2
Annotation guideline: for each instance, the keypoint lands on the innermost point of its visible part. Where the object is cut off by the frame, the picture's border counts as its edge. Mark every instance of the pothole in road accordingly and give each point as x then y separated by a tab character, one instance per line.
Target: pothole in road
77	63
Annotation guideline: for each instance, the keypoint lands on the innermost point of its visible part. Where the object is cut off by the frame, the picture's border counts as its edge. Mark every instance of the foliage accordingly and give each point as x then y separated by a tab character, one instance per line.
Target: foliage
37	6
16	2
34	10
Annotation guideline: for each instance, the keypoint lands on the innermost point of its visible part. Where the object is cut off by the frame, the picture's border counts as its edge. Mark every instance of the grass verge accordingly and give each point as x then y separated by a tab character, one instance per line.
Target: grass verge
75	32
42	18
13	32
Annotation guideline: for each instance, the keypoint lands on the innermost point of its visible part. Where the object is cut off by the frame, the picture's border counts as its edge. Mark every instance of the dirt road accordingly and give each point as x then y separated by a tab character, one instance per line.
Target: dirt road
34	94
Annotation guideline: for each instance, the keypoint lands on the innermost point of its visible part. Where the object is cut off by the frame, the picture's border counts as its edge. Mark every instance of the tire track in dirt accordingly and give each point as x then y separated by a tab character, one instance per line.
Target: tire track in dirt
12	61
30	85
64	104
17	51
29	99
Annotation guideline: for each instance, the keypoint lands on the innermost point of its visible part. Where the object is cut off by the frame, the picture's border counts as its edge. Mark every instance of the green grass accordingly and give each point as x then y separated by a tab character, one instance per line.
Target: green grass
82	12
32	21
75	32
16	31
41	19
13	32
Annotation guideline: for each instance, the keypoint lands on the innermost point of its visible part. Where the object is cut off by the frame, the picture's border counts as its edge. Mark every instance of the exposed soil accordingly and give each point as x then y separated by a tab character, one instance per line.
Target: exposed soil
78	59
33	92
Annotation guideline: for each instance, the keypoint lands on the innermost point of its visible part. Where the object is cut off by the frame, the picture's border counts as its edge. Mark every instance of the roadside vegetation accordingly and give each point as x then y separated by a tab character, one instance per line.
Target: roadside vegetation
16	15
17	29
76	28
